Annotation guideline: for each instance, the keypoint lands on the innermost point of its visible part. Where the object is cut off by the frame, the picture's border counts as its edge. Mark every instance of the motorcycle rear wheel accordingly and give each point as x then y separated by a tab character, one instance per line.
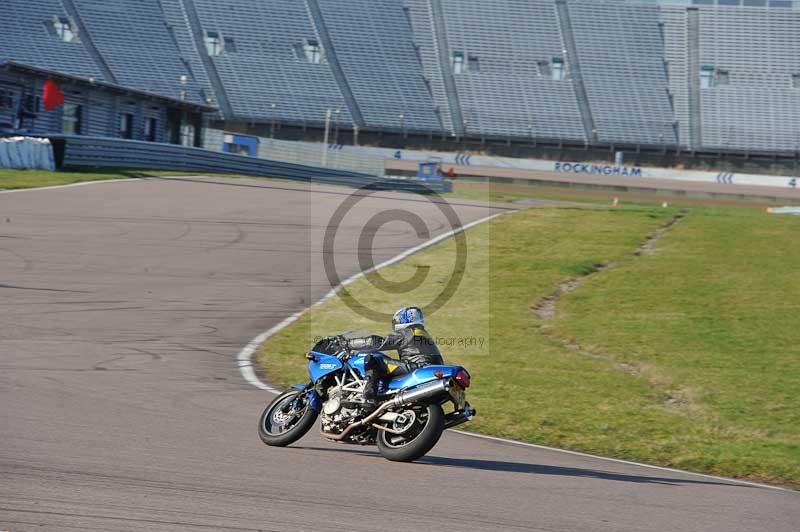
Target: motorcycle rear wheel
420	439
286	419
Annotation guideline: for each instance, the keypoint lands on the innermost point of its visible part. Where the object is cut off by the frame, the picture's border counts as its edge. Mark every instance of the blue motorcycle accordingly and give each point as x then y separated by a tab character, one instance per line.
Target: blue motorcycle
406	425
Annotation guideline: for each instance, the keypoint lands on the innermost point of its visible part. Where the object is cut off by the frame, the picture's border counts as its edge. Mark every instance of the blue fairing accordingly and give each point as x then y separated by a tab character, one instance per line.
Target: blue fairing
357	361
322	365
314	400
423	375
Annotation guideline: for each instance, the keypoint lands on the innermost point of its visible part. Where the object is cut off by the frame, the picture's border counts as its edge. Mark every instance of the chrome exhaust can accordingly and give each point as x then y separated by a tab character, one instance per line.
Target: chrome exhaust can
423	391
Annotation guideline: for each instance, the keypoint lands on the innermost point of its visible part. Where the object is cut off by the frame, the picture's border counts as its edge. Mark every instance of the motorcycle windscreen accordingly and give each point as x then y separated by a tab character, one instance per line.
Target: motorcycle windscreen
322	365
423	375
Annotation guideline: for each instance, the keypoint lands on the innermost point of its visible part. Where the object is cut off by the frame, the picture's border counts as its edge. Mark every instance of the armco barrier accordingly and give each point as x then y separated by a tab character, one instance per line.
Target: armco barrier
99	152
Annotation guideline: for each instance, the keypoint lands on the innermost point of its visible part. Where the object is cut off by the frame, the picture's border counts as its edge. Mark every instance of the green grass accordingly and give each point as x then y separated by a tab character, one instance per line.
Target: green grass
713	321
16	179
19	179
688	356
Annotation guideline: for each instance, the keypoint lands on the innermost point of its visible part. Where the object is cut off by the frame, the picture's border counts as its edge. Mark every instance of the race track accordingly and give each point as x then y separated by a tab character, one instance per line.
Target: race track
122	408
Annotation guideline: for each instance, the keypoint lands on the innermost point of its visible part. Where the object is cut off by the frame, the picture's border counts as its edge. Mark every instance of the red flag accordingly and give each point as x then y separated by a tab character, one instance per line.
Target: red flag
51	95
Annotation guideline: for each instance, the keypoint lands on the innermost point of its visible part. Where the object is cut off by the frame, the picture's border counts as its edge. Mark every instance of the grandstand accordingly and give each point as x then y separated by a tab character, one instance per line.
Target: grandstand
506	50
623	70
753	101
696	75
142	56
27	37
380	64
265	61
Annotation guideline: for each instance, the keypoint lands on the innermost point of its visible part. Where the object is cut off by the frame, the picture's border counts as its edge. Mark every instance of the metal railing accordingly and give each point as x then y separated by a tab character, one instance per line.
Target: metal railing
99	152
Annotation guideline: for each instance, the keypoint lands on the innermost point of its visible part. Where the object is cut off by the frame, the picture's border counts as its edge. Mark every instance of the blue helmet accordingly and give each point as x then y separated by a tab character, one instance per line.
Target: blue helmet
406	317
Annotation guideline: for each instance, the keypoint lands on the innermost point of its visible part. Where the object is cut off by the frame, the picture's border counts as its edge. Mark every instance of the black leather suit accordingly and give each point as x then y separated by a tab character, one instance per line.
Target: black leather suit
414	345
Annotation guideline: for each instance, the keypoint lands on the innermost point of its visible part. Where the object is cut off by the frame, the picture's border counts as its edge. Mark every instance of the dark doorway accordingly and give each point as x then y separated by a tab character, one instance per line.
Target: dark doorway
173	128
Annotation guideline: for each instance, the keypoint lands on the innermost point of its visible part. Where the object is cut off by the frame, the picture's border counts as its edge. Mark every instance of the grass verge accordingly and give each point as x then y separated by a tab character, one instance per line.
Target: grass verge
17	179
20	179
686	356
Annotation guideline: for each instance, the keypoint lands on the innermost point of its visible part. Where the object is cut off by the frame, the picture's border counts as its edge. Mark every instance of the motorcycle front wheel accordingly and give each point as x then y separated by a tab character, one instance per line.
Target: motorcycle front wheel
417	438
286	419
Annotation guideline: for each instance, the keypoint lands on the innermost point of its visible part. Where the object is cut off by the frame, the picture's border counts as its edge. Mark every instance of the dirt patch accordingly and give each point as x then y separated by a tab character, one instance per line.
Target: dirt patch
646	248
677	398
673	397
545	308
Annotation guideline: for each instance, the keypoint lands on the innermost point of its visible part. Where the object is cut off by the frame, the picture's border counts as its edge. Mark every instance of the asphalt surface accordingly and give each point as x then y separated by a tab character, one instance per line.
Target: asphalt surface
123	306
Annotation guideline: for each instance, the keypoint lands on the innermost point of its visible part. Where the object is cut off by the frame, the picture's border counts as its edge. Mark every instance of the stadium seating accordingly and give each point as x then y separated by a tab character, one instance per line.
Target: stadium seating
380	63
658	73
135	44
177	20
758	50
25	38
677	63
265	75
621	56
505	91
423	28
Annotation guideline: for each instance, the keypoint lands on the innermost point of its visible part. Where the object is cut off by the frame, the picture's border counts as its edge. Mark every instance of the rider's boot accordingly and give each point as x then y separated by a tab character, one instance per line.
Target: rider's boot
370	398
374	370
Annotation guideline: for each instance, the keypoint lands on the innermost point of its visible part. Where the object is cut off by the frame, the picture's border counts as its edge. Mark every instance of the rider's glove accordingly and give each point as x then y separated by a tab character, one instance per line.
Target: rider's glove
343	345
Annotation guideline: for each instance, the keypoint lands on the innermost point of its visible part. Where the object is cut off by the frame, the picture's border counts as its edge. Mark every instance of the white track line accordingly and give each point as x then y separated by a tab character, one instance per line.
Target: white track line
78	184
245	356
618	460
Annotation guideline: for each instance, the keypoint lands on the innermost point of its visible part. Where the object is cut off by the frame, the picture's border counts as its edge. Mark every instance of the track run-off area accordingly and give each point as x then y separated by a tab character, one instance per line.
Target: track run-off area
122	407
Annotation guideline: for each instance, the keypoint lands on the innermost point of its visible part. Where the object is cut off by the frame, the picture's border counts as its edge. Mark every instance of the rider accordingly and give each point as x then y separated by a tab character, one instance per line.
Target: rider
412	342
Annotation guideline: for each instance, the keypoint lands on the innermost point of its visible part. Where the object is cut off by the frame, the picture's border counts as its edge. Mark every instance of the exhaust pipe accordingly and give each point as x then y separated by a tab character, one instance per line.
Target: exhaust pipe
420	392
454	419
401	399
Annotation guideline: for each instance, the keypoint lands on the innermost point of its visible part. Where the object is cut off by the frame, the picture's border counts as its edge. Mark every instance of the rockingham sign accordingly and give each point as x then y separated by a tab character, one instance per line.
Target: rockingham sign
721	178
635	173
597	169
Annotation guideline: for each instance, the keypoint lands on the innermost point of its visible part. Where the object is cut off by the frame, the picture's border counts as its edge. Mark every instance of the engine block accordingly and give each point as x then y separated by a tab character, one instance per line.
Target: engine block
335	416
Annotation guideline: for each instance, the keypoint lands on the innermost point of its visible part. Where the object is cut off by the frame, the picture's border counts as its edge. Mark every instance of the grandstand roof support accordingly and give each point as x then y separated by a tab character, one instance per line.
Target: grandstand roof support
86	37
693	62
443	52
573	63
333	61
208	63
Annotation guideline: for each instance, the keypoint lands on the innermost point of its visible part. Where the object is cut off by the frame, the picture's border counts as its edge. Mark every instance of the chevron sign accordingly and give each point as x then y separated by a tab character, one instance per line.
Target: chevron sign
462	159
725	178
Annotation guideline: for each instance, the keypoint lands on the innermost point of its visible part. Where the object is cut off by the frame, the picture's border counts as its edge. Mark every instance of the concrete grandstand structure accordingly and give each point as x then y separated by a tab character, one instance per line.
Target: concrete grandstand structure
702	75
119	68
